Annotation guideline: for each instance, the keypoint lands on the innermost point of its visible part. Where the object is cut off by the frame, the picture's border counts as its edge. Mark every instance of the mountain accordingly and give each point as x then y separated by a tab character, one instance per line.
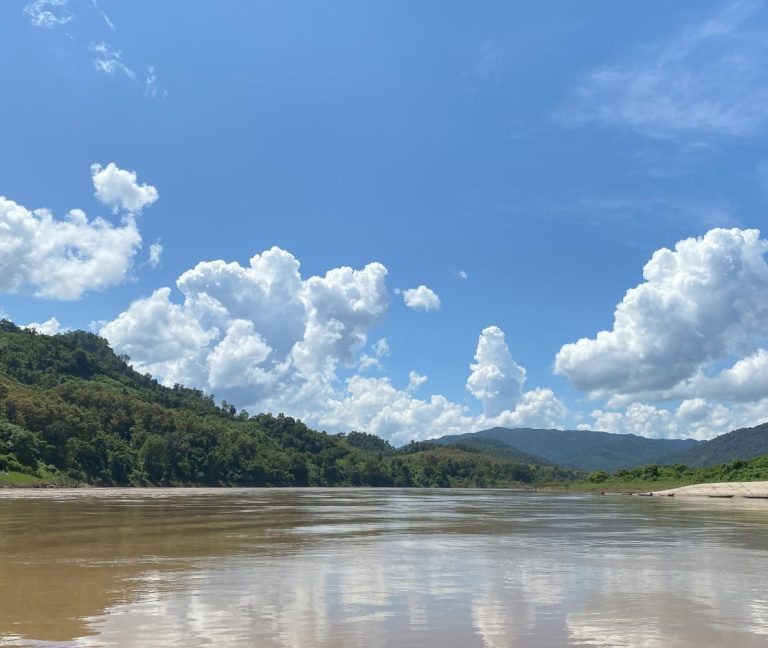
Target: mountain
71	411
581	449
744	443
498	449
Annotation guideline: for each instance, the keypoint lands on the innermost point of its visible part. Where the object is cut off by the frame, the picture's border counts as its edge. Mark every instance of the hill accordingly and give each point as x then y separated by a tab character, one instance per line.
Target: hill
71	411
744	443
581	449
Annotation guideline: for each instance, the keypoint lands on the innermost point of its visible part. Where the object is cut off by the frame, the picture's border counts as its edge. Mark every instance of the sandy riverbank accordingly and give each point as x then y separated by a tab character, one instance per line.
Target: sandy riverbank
756	489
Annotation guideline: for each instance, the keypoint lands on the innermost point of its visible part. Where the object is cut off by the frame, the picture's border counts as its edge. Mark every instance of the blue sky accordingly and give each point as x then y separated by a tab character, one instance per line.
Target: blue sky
523	163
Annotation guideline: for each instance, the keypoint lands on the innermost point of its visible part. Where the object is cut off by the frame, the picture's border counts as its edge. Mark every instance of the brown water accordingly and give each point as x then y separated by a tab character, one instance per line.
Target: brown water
375	568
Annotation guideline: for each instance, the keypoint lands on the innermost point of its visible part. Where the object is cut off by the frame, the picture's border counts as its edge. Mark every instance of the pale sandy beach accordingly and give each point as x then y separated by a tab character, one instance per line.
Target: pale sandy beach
756	489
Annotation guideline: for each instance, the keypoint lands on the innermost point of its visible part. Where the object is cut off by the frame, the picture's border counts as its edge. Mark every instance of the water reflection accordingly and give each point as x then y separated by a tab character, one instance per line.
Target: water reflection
289	568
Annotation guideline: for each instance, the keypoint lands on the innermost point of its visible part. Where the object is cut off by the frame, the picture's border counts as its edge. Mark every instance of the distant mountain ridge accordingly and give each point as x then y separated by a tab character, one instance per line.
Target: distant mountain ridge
744	443
582	449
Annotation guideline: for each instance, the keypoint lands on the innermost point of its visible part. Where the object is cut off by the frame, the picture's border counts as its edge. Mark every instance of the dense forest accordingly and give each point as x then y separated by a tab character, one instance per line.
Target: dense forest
72	411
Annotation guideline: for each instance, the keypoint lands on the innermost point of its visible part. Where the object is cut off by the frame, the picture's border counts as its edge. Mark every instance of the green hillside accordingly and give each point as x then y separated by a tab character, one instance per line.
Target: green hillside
71	411
581	449
496	448
744	443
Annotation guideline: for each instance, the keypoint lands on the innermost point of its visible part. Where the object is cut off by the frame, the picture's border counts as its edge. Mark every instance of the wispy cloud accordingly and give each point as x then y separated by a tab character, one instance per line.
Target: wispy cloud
106	58
151	88
48	13
109	60
100	11
710	79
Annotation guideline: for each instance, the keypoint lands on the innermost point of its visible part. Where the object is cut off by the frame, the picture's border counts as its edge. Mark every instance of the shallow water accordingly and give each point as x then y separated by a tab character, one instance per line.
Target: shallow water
376	567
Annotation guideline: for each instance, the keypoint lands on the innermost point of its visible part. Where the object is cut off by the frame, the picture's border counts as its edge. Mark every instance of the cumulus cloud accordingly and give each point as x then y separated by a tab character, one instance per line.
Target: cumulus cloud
49	327
693	418
496	379
63	259
704	302
421	298
118	189
296	331
709	78
269	339
537	408
48	13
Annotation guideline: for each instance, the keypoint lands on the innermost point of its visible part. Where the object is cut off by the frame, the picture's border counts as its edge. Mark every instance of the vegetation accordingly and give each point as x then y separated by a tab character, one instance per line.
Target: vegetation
71	411
739	444
658	477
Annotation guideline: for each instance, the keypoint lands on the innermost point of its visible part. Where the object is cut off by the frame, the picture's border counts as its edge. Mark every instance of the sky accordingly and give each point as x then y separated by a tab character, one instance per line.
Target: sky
411	219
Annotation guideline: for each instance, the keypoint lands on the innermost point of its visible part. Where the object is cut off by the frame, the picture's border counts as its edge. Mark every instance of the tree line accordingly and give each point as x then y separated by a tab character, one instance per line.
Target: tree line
72	411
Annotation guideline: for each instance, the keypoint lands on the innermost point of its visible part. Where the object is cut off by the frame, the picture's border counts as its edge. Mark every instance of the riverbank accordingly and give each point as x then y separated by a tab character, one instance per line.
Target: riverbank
750	490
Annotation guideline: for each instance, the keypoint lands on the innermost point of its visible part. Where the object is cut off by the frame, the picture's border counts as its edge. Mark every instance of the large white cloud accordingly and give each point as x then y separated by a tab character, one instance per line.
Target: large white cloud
703	303
269	340
496	379
64	258
259	334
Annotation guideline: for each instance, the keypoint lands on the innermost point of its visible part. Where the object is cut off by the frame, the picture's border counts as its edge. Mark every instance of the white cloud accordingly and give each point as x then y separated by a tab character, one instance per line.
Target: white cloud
421	298
380	351
538	408
415	380
62	259
376	406
49	327
463	275
48	13
155	252
110	61
694	418
163	338
118	189
104	16
709	78
496	379
310	326
237	360
266	338
703	303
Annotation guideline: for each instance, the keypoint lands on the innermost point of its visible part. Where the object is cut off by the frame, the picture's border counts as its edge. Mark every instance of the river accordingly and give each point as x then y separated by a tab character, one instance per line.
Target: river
316	568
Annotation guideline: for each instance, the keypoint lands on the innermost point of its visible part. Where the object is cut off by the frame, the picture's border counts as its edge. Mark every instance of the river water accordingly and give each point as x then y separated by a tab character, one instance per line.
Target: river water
378	567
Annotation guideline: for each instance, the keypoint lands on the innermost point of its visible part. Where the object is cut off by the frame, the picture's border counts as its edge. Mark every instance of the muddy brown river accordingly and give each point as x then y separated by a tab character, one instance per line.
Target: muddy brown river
315	568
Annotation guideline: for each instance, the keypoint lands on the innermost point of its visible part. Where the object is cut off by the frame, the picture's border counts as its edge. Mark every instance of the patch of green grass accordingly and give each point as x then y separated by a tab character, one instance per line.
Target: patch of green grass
12	478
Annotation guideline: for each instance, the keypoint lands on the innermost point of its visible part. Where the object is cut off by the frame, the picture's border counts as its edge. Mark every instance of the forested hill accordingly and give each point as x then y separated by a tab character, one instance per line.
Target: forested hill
742	444
581	449
73	411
